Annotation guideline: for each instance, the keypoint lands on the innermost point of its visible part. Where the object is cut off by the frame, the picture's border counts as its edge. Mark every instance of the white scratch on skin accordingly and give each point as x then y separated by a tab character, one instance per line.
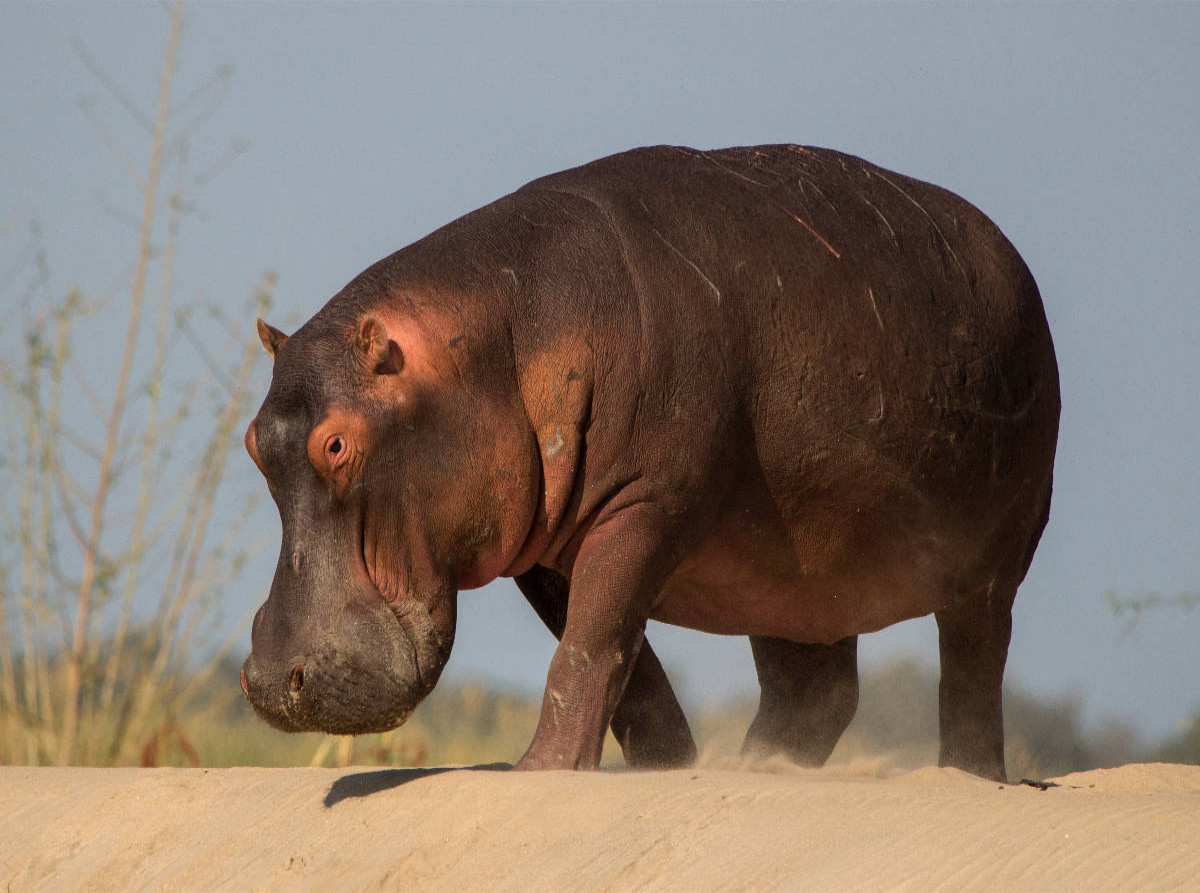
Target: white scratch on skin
555	442
556	703
800	150
779	281
1015	416
512	273
803	194
577	657
817	189
871	295
891	231
879	414
816	235
804	223
937	229
716	291
709	157
1021	412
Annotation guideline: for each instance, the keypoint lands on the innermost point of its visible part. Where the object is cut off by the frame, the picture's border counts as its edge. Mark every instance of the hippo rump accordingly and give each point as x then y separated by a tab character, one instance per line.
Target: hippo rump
775	391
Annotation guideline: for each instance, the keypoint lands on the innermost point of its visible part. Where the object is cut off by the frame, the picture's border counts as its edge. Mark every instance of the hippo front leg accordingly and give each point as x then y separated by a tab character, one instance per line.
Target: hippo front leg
648	722
620	566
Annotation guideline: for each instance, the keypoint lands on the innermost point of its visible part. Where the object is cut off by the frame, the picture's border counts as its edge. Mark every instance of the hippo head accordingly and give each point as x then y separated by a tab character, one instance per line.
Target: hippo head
393	495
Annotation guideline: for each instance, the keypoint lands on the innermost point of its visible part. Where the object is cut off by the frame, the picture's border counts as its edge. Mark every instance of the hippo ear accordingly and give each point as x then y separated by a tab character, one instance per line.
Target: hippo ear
272	339
375	350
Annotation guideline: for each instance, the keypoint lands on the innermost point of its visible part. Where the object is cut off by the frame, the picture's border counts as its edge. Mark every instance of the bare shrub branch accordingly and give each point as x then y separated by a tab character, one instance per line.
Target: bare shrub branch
109	569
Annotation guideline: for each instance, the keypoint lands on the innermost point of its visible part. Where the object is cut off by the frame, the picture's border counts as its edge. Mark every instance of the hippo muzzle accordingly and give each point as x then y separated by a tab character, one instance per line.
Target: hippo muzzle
330	653
359	675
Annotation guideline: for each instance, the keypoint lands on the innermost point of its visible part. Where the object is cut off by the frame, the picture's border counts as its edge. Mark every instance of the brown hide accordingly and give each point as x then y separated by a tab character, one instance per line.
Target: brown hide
772	391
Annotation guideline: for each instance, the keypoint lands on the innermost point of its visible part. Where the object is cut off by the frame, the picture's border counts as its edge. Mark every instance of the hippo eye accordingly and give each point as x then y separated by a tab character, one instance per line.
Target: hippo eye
335	448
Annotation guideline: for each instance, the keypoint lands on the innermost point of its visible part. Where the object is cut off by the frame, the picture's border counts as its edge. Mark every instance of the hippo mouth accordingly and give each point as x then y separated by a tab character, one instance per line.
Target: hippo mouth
429	647
329	693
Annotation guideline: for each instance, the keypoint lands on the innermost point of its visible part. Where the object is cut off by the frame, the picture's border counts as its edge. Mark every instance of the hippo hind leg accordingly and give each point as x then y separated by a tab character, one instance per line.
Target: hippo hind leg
809	695
973	639
648	723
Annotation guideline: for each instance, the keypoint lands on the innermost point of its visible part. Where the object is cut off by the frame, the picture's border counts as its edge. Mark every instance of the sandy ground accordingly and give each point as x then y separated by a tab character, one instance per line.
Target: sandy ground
1132	828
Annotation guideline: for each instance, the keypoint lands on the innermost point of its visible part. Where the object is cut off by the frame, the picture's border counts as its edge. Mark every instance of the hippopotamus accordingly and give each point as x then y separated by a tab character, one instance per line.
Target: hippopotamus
774	391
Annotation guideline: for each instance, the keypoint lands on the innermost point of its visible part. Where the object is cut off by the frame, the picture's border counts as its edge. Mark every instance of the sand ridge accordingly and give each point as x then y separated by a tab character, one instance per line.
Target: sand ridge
709	828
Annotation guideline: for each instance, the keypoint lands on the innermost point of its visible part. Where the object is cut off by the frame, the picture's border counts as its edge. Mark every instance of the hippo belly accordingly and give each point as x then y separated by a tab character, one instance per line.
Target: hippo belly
752	576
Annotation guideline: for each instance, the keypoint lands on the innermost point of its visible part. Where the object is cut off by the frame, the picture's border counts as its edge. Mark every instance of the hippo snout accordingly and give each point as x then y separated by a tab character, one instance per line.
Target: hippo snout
347	669
329	692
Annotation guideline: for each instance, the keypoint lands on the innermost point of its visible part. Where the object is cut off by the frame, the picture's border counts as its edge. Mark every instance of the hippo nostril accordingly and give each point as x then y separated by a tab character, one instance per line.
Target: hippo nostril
297	681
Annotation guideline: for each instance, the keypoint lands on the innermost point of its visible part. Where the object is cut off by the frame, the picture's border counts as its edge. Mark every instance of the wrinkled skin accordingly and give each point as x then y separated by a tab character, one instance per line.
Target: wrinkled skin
775	391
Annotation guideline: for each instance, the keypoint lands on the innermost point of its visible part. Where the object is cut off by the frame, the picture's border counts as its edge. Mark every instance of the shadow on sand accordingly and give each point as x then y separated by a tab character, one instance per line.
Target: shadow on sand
363	784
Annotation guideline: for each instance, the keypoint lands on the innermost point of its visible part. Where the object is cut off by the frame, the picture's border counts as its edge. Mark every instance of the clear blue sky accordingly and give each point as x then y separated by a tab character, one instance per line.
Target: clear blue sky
1075	127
